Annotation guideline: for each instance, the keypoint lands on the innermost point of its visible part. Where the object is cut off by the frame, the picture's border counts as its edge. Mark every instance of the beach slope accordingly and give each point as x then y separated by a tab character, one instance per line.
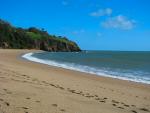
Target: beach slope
29	87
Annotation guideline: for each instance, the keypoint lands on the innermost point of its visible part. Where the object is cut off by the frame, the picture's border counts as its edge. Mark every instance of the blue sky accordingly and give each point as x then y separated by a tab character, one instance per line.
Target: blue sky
93	24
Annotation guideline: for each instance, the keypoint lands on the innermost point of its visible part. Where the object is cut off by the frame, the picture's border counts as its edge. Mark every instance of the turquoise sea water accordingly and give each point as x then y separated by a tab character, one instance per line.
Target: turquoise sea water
133	66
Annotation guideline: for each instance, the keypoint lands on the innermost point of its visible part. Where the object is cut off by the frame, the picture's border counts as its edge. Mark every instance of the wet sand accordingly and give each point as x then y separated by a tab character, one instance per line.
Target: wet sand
28	87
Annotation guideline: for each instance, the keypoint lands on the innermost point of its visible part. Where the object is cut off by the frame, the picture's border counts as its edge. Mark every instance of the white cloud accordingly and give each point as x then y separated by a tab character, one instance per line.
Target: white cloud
102	12
120	22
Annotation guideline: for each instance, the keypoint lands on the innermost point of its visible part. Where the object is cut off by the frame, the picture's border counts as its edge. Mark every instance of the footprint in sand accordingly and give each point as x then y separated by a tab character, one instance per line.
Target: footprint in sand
133	105
97	98
63	110
37	101
51	85
54	105
120	107
96	95
136	96
24	75
2	77
89	96
1	99
134	111
114	101
126	105
112	90
114	104
25	108
144	109
79	93
28	98
7	104
61	88
103	101
5	89
105	98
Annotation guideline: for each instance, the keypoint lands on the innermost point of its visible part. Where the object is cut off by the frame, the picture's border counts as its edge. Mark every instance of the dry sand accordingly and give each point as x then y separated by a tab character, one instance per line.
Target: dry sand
28	87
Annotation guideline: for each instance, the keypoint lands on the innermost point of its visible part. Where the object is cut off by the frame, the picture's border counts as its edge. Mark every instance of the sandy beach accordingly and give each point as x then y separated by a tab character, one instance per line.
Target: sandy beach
29	87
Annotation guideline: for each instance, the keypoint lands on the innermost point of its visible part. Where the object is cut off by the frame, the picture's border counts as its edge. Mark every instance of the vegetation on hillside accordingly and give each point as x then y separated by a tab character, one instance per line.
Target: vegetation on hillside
33	38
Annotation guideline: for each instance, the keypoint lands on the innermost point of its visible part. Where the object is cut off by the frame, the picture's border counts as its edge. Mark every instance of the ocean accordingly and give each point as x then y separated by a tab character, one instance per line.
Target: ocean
125	65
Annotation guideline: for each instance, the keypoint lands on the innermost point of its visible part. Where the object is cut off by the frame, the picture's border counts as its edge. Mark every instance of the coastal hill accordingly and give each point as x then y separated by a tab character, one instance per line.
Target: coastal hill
33	38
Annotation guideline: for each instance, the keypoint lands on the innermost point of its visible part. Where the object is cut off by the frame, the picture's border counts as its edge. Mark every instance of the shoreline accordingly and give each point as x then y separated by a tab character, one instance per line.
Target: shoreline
38	88
29	57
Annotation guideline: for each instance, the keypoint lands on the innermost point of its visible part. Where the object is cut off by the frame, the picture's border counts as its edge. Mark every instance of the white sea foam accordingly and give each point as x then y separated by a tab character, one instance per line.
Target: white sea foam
87	69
